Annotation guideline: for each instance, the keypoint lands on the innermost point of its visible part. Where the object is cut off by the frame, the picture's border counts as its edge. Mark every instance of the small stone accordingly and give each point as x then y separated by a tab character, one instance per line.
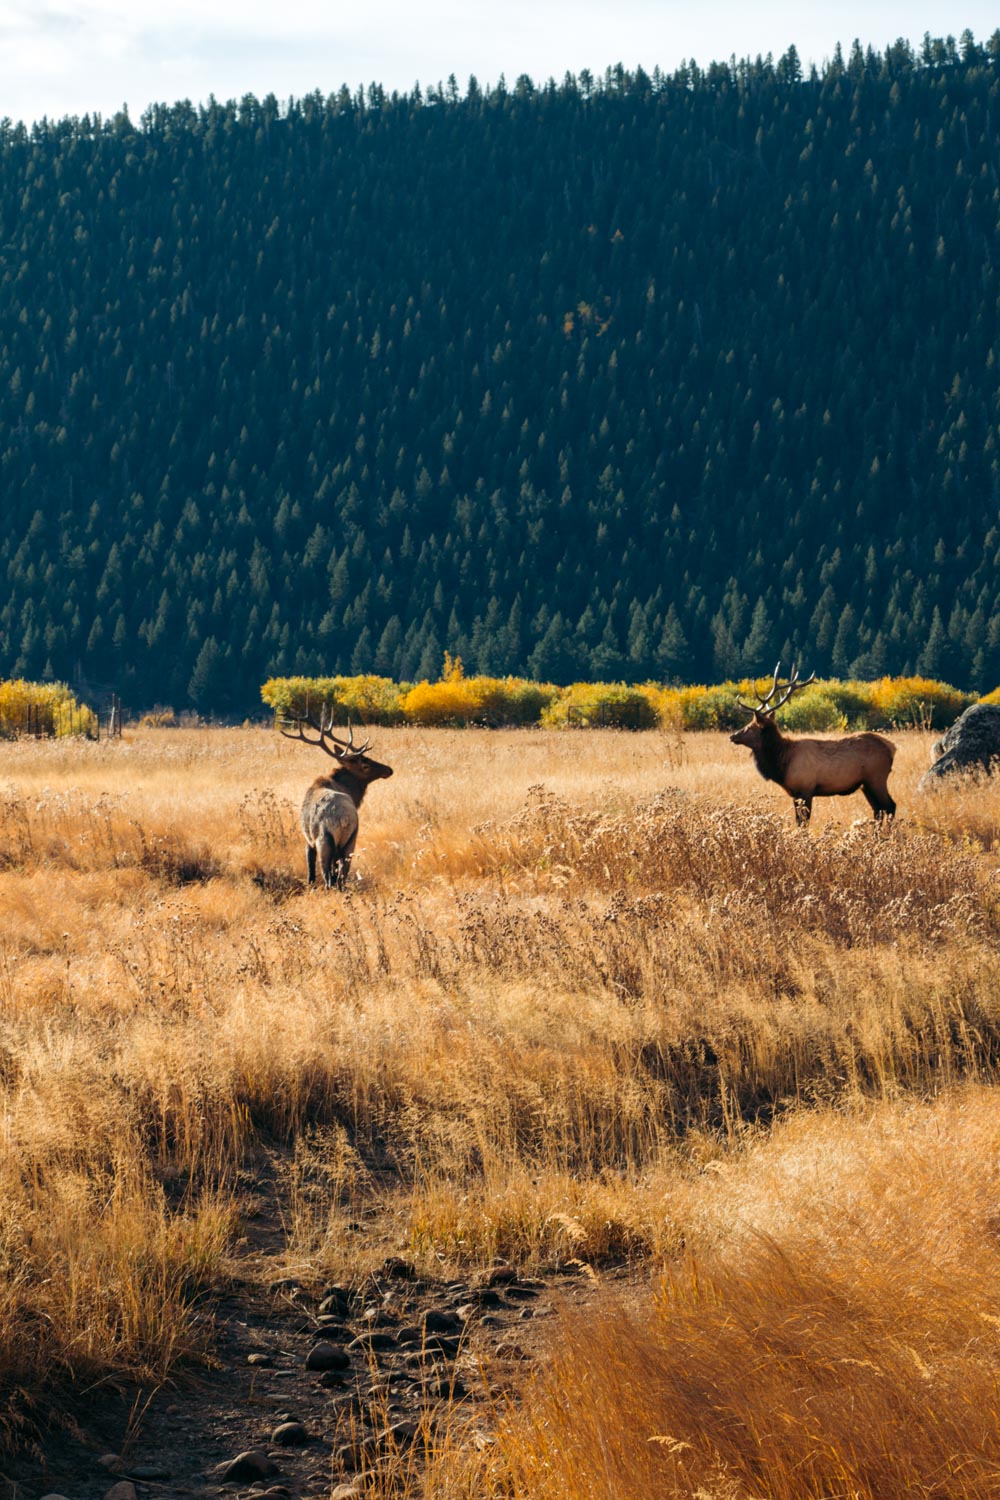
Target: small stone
440	1320
324	1356
351	1456
522	1293
404	1431
331	1379
501	1276
445	1344
144	1472
508	1349
445	1389
53	1496
123	1490
346	1492
404	1270
377	1342
252	1464
336	1299
110	1461
290	1435
262	1361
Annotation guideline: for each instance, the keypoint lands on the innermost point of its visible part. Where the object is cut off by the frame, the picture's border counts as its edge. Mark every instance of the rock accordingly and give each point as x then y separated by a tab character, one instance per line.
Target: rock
353	1456
508	1349
336	1299
346	1492
404	1431
261	1360
110	1461
123	1490
143	1472
246	1467
972	743
378	1342
290	1435
443	1388
501	1276
53	1496
522	1293
331	1379
439	1320
323	1356
404	1270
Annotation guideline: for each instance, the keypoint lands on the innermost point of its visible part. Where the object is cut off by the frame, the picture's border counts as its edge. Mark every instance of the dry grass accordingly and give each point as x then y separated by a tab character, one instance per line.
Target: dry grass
575	969
836	1331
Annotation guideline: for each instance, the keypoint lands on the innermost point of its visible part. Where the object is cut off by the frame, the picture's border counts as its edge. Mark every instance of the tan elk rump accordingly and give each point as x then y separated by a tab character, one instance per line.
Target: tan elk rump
807	768
329	815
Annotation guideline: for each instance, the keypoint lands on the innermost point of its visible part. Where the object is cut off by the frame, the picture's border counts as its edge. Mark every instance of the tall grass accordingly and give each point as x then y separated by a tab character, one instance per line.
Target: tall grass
833	1328
574	973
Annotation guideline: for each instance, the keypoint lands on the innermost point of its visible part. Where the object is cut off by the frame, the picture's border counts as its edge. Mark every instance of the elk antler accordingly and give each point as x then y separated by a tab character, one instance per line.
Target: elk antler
761	702
324	729
793	685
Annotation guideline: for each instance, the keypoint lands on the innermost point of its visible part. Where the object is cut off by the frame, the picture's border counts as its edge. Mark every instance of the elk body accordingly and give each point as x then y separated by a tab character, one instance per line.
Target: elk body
329	815
817	768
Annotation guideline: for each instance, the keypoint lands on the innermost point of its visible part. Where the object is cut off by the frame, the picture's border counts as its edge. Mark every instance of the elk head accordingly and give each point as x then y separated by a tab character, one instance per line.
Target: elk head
349	756
756	733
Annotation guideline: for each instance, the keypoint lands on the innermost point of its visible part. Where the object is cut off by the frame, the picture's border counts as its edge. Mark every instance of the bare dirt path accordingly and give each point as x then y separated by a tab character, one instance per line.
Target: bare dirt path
313	1390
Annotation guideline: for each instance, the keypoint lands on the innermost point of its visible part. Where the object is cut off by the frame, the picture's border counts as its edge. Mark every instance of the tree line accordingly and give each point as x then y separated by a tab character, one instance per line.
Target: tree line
643	376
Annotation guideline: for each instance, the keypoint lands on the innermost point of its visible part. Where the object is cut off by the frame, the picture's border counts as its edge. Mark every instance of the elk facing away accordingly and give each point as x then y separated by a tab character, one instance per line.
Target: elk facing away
329	814
817	768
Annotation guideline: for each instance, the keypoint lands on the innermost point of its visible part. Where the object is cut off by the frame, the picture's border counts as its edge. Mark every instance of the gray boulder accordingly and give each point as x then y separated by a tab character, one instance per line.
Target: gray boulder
971	744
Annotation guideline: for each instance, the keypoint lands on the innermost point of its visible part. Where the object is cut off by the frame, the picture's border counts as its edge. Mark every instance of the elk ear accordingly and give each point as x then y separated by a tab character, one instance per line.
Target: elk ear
760	718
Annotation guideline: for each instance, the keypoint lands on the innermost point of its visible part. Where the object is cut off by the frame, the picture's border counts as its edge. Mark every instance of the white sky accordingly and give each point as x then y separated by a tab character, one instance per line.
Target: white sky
60	57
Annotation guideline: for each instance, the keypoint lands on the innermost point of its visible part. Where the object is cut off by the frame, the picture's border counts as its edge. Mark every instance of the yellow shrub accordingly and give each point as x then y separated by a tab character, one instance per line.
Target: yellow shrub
611	705
477	700
714	707
47	708
364	700
918	701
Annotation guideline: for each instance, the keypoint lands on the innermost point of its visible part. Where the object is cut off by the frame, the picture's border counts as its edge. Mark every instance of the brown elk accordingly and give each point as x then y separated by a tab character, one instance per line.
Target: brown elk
329	815
816	768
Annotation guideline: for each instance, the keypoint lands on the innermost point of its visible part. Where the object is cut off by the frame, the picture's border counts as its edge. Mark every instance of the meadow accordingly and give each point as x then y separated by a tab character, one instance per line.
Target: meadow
591	999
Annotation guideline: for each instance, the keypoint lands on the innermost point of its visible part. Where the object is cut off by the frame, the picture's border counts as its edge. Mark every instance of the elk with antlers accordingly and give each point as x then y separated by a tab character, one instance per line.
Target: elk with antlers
329	814
816	768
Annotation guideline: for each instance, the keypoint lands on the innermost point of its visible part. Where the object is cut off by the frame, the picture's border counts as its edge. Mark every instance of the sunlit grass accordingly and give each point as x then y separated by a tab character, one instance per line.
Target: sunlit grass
574	969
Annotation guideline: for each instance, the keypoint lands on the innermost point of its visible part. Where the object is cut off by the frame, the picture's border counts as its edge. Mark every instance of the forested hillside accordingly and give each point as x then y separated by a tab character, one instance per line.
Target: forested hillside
638	377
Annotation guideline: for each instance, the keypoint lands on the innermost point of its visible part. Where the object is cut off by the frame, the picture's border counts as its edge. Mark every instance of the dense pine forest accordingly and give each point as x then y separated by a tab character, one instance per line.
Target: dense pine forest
634	377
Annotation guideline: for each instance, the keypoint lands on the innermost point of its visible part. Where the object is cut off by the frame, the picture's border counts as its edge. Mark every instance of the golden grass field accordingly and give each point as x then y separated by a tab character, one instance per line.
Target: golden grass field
591	997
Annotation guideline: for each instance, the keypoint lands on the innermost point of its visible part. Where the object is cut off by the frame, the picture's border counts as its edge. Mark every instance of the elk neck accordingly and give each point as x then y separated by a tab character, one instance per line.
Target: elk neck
772	755
343	780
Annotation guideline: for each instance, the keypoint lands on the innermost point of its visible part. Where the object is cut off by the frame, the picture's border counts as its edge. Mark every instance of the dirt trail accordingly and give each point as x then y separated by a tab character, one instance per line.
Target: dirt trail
403	1355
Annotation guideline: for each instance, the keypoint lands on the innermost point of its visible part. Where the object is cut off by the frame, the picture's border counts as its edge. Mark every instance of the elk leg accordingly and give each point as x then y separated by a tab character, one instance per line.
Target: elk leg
345	860
880	802
326	853
311	862
803	810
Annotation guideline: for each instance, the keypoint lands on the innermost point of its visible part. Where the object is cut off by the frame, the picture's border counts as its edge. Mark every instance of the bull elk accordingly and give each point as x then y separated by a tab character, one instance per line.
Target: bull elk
816	768
329	814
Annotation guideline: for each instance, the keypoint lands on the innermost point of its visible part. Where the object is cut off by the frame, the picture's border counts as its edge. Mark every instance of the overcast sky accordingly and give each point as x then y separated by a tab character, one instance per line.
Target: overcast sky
60	57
